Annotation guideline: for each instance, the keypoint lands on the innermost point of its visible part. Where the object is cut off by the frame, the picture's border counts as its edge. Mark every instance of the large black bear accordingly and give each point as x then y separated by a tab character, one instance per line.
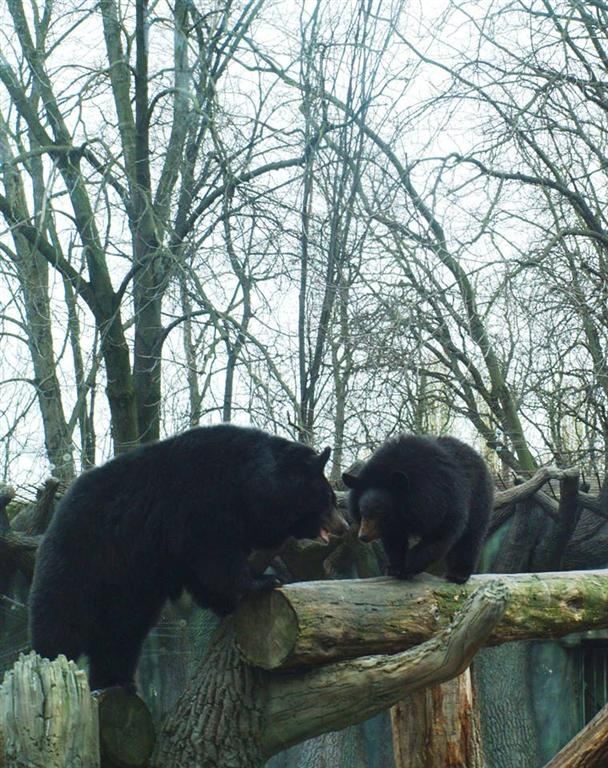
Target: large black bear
181	513
435	488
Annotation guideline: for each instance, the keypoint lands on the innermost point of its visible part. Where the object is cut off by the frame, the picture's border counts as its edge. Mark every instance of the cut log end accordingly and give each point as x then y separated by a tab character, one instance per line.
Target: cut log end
126	731
256	615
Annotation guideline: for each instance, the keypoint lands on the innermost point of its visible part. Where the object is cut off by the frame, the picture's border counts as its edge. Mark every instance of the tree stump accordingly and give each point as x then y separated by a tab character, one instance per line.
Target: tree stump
438	727
48	718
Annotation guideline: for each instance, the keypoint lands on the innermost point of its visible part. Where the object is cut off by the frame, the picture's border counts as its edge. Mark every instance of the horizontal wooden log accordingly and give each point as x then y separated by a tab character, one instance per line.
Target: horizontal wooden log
310	623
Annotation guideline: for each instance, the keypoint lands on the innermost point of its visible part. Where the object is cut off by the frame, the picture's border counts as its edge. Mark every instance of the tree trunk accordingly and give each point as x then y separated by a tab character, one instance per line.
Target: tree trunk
218	720
502	680
32	271
438	727
33	276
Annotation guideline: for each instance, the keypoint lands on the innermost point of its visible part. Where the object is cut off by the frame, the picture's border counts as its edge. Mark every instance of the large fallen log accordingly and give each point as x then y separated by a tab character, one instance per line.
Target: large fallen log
307	624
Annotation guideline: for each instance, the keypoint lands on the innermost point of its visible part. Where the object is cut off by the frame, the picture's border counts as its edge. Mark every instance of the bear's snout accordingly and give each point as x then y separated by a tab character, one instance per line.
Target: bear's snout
368	530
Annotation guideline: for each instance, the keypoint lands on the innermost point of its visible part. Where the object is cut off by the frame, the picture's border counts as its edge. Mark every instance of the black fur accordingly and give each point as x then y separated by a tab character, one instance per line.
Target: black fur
435	488
181	513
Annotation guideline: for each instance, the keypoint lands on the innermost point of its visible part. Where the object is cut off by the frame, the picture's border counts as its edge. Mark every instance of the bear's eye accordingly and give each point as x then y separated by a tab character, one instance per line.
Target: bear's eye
369	510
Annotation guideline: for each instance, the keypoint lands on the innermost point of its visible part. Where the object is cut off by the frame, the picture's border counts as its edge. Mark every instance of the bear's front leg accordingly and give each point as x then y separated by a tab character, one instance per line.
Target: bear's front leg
396	547
220	579
426	552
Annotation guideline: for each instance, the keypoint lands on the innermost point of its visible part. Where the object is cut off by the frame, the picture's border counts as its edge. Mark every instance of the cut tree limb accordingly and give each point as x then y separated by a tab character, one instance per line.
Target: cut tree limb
7	494
307	624
588	749
126	730
34	519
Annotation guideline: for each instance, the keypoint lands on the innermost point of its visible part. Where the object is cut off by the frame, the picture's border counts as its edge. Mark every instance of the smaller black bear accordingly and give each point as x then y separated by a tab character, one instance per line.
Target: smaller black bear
435	488
183	513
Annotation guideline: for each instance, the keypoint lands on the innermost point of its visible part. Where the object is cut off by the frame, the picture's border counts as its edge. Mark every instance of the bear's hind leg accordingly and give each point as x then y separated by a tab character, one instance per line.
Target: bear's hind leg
114	642
113	659
53	630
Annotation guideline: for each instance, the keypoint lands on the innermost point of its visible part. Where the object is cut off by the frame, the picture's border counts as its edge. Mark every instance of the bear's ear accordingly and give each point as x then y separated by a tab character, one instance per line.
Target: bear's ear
400	481
323	457
350	481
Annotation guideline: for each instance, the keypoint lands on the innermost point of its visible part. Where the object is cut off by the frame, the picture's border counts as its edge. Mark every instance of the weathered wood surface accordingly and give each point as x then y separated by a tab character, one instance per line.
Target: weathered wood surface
588	749
48	718
306	624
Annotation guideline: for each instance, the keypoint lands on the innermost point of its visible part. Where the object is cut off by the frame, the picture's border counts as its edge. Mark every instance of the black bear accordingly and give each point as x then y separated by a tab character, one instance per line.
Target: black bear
180	513
435	488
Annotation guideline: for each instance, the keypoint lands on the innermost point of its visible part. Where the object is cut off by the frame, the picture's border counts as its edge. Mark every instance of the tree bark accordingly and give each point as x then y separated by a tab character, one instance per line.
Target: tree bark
218	720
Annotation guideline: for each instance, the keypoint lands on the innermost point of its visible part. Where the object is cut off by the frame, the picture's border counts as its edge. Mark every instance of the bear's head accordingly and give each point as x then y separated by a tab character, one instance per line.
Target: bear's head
375	501
319	515
292	498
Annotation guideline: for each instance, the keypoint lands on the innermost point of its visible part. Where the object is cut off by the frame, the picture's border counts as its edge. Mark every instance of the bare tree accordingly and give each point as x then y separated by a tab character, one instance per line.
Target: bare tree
126	168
